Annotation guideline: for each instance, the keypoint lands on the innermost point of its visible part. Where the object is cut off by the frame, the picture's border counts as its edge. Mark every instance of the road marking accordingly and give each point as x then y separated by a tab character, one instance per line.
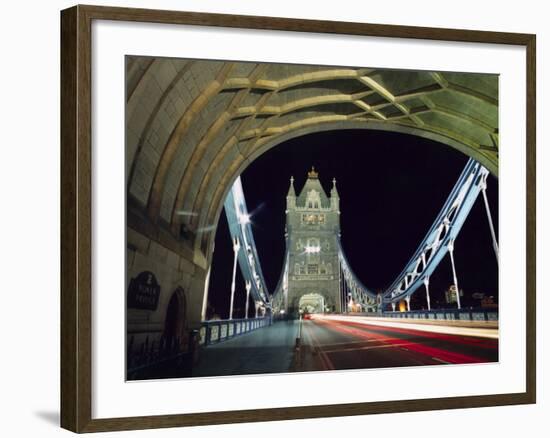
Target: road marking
374	347
325	361
348	343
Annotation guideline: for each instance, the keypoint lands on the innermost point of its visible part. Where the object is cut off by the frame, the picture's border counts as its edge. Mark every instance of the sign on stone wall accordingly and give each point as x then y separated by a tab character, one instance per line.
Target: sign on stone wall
143	292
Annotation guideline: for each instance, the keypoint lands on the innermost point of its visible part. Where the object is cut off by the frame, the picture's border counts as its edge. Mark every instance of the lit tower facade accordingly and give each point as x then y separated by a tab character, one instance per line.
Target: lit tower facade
312	233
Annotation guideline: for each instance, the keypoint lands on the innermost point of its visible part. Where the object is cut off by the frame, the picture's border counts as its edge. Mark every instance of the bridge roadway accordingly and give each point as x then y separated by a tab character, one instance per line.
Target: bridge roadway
333	342
341	342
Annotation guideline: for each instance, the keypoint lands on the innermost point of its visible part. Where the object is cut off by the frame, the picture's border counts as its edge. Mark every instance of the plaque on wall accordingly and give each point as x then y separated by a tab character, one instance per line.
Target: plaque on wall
143	292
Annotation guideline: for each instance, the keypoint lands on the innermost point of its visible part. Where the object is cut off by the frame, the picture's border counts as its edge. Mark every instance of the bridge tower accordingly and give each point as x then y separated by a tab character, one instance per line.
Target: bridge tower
312	233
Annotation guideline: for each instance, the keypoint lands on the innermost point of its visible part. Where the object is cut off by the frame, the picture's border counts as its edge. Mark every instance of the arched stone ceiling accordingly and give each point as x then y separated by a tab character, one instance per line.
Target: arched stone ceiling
194	125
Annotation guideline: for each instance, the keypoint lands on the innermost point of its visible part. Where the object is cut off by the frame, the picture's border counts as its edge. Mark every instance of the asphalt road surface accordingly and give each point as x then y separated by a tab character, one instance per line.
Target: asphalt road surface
332	343
328	344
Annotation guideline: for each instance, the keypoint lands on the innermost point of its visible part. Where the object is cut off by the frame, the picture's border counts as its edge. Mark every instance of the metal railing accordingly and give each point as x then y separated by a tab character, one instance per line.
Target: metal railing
446	314
219	330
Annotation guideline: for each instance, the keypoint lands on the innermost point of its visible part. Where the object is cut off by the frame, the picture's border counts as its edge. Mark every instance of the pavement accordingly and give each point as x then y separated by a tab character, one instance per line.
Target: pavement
265	350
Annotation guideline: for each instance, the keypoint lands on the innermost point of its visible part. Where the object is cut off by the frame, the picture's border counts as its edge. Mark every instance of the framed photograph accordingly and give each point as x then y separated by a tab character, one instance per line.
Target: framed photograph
268	219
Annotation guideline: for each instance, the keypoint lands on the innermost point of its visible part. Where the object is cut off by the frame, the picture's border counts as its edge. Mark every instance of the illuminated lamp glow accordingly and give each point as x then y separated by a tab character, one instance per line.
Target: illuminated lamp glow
312	249
244	218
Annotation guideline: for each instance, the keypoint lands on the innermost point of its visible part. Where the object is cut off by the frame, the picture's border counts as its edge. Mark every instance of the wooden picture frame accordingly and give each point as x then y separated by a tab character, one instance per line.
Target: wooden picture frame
76	218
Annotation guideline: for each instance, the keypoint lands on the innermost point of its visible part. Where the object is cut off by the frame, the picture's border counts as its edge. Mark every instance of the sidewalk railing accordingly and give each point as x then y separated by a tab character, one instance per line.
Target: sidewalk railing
445	314
219	330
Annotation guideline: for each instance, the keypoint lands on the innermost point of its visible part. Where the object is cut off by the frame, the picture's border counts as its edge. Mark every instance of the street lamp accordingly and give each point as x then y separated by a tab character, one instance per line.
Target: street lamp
248	287
244	218
312	249
236	247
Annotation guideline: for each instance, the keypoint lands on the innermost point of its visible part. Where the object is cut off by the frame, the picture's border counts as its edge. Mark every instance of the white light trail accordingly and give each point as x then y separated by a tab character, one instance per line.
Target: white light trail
491	333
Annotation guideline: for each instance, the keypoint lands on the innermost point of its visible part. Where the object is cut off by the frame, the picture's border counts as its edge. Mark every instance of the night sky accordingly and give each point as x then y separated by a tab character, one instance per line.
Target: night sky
391	188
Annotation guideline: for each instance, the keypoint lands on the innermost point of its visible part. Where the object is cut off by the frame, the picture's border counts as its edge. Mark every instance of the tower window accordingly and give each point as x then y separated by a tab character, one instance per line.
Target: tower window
310	219
313	199
313	243
312	269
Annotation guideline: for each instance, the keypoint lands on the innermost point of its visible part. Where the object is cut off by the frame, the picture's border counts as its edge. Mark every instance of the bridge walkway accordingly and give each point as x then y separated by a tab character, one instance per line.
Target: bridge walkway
266	350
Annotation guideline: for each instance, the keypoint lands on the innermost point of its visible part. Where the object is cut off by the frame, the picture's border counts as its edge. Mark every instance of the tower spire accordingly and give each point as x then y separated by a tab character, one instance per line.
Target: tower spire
291	195
334	191
291	191
334	196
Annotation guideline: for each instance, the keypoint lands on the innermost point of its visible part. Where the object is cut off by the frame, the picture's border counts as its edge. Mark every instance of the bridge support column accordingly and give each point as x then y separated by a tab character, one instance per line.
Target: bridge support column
236	247
340	284
344	295
489	217
408	301
257	307
427	286
451	247
248	286
393	306
205	296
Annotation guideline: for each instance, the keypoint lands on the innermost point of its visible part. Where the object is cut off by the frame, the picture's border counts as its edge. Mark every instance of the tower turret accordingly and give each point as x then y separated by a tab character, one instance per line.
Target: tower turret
334	197
291	195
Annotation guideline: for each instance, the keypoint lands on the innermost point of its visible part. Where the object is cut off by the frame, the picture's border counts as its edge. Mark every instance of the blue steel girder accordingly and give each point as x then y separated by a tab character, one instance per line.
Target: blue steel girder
240	227
441	235
279	297
359	291
282	283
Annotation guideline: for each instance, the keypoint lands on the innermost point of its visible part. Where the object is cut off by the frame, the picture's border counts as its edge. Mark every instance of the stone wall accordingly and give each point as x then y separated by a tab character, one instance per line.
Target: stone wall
179	279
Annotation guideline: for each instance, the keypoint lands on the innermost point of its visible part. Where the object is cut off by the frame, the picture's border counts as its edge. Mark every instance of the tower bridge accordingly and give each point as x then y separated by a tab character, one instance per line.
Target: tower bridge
194	126
317	282
311	233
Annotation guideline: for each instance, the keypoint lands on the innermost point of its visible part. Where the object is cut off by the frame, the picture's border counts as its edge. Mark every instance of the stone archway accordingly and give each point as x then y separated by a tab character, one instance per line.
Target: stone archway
175	335
312	302
194	125
295	302
188	137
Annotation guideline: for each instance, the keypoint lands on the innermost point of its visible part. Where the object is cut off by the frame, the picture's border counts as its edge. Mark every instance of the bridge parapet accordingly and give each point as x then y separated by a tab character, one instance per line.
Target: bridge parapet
219	330
446	314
